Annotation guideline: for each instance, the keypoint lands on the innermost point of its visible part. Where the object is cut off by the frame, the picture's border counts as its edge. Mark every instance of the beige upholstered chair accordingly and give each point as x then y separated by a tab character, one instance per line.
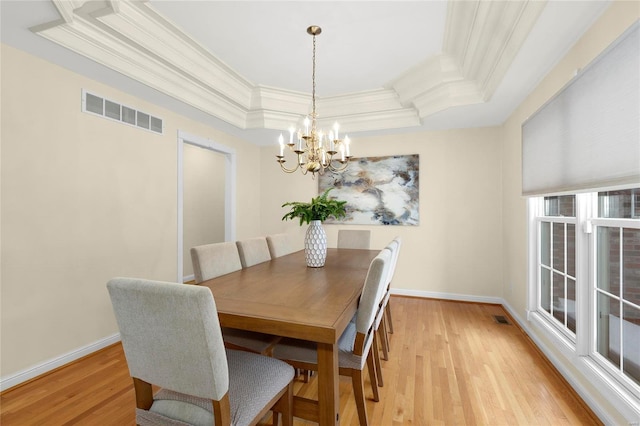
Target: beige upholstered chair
354	239
253	251
213	260
383	316
279	245
394	262
356	341
171	338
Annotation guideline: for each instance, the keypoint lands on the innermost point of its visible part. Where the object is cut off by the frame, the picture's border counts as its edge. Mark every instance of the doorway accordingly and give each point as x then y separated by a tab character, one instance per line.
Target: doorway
206	196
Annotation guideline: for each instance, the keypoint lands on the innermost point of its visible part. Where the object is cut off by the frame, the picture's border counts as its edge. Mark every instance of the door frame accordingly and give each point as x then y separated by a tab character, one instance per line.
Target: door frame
229	190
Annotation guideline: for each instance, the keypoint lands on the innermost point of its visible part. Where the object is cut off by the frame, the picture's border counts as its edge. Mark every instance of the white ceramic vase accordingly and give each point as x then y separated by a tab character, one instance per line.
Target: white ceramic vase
315	245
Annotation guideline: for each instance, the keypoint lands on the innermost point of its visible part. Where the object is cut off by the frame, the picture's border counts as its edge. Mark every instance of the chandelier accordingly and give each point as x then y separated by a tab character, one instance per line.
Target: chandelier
316	151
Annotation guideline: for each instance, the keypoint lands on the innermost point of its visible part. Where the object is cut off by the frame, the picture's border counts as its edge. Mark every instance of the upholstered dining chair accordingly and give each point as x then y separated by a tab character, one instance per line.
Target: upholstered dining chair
213	260
355	342
279	245
354	239
172	339
394	262
382	320
253	251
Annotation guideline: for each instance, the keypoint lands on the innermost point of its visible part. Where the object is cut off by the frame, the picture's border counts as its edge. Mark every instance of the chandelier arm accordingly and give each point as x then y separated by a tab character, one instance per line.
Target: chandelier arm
286	170
333	168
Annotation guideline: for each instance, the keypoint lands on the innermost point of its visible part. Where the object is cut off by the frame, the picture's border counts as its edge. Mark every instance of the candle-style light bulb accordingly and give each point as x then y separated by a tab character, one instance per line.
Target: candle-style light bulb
336	126
306	125
342	152
347	142
281	141
291	130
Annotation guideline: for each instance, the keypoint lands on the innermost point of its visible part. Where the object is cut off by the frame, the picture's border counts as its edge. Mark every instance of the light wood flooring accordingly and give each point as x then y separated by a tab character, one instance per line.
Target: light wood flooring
450	364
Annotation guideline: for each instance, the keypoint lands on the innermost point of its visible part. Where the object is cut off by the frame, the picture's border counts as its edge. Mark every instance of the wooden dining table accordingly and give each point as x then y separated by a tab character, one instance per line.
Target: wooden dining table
286	298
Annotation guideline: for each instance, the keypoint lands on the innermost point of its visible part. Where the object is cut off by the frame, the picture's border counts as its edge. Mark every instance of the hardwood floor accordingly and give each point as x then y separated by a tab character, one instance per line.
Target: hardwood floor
450	364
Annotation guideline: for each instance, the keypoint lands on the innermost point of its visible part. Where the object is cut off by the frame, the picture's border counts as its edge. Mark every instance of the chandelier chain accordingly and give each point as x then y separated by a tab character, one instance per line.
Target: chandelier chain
313	79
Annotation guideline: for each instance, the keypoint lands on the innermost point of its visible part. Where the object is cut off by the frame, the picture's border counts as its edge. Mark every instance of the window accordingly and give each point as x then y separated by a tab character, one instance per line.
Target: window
585	273
556	262
617	281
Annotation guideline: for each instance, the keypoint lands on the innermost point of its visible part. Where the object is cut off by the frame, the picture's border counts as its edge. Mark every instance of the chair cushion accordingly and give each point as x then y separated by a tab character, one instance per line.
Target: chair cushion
253	381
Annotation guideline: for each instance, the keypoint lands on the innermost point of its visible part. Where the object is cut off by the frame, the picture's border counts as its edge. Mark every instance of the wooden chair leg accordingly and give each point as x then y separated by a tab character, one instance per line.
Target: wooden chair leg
144	394
358	391
284	406
376	359
387	313
372	376
384	340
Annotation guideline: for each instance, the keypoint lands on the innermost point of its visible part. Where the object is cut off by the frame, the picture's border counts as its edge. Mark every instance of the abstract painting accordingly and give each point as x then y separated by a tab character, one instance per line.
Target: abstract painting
378	190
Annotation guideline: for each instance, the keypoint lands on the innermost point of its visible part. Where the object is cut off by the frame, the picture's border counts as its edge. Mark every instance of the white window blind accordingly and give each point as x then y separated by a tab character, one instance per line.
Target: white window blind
588	135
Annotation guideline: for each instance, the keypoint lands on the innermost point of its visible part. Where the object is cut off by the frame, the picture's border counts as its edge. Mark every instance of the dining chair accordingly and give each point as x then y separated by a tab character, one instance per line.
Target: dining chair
355	342
253	251
391	274
279	245
382	316
172	339
354	239
213	260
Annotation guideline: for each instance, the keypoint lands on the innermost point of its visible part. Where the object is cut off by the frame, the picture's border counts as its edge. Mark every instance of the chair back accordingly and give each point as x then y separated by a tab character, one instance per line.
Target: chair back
354	239
171	336
397	243
279	245
212	260
374	289
253	251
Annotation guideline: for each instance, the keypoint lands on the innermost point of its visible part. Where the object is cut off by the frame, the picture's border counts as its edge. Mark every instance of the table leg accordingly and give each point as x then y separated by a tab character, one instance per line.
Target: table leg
328	384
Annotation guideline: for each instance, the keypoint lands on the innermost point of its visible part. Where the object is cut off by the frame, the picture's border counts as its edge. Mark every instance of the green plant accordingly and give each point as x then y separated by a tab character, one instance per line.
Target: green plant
320	208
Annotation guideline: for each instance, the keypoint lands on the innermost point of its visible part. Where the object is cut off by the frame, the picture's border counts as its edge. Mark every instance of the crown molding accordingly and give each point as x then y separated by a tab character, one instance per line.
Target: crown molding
481	40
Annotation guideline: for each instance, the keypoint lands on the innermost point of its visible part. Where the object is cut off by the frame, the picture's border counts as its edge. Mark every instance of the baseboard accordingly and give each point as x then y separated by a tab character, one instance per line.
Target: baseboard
52	364
188	278
447	296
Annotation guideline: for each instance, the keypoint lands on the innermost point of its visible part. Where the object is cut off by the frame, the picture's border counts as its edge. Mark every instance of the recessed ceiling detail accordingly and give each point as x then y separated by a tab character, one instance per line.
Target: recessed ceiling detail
481	40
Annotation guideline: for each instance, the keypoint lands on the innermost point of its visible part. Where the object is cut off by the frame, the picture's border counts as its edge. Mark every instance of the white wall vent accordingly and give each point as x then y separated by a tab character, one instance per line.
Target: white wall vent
106	108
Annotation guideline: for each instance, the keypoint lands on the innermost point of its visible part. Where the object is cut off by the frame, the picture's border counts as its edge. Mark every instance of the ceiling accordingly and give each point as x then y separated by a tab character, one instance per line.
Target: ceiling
245	66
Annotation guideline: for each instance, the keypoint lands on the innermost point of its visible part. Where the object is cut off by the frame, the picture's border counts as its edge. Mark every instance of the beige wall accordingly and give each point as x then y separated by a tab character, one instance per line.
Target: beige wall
611	25
85	199
203	205
456	248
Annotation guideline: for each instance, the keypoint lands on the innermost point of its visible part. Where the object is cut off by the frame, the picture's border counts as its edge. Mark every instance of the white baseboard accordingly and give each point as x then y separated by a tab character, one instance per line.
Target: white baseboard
188	278
447	296
52	364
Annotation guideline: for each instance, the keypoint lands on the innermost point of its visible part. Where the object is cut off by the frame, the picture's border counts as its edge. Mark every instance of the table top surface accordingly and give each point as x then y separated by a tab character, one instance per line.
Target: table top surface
286	298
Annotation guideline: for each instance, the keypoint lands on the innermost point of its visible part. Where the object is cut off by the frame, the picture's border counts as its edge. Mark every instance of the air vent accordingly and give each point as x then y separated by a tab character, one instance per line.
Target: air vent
501	319
112	110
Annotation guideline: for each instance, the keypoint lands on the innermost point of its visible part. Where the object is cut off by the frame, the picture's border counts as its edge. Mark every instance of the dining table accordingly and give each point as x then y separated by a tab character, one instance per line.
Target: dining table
285	297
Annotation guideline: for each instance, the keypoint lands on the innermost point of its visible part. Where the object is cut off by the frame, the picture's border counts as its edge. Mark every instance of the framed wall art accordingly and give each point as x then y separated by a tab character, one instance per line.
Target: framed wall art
378	190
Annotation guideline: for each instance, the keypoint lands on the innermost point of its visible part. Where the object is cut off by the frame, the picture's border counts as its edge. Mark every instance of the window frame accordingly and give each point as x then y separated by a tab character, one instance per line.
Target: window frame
597	357
583	346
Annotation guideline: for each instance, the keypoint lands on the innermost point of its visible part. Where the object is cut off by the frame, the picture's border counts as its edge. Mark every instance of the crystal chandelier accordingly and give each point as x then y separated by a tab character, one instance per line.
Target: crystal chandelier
316	151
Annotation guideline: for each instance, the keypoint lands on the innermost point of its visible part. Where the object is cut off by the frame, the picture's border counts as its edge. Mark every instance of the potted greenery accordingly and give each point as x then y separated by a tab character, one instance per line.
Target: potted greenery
314	213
